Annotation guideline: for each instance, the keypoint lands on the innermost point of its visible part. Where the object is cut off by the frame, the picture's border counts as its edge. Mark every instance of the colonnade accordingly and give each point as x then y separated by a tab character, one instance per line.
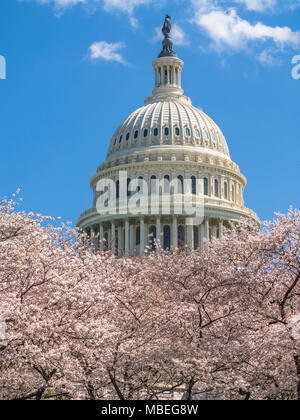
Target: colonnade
133	236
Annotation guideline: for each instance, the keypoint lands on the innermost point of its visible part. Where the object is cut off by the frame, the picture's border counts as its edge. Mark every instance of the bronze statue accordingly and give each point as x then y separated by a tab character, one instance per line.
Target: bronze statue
167	26
167	42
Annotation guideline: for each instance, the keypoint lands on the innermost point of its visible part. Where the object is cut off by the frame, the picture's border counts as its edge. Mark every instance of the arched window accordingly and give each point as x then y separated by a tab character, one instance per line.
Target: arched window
177	131
155	132
166	131
127	137
136	134
197	132
216	188
205	186
194	185
167	237
187	132
128	184
196	237
153	184
115	142
121	137
166	184
152	234
219	139
118	190
181	236
140	184
138	236
180	184
213	137
206	135
145	132
225	191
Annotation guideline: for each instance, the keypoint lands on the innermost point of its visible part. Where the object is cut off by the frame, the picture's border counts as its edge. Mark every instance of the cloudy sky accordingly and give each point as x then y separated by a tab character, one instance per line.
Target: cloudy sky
77	68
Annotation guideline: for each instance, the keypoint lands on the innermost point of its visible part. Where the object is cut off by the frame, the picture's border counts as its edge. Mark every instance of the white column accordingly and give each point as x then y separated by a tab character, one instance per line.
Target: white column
158	230
127	237
206	229
120	242
214	231
220	228
113	238
175	233
131	239
101	236
142	236
92	235
190	237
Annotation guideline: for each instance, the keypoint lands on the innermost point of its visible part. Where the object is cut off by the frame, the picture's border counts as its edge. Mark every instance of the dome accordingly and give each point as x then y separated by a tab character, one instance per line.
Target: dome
164	157
170	122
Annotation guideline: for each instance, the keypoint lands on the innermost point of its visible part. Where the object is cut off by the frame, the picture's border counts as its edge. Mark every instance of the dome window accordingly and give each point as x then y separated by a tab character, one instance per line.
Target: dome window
213	137
136	134
120	139
216	188
146	132
127	137
166	131
155	132
206	135
177	131
115	142
187	132
205	186
197	132
219	139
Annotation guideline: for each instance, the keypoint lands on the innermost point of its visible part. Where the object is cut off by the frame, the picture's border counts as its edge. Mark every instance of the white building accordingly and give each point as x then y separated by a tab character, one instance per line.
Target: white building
166	140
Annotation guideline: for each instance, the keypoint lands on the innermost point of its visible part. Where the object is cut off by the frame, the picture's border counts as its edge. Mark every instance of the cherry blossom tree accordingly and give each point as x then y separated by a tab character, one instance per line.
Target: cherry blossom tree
222	322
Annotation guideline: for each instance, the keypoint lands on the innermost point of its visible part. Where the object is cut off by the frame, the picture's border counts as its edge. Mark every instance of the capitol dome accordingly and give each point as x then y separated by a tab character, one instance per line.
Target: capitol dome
162	156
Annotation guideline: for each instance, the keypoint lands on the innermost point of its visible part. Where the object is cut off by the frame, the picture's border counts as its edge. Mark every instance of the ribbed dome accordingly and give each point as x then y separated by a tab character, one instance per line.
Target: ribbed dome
167	121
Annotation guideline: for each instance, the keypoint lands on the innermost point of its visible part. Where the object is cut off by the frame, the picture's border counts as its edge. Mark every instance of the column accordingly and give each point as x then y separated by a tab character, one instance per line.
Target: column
173	75
175	233
202	235
101	236
92	238
131	239
220	228
120	242
214	231
156	77
113	238
190	237
142	236
158	230
206	230
127	237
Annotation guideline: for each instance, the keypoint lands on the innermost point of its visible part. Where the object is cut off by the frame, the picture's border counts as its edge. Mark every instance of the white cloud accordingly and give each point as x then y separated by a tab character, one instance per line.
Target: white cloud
125	6
227	29
61	4
106	51
266	57
177	34
258	5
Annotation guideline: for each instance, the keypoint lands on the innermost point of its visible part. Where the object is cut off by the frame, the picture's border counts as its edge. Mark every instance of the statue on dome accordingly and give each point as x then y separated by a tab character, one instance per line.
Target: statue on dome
167	26
167	42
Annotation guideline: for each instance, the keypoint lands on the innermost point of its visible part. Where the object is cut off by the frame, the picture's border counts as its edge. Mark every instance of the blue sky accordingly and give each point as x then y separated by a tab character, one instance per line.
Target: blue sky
77	68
